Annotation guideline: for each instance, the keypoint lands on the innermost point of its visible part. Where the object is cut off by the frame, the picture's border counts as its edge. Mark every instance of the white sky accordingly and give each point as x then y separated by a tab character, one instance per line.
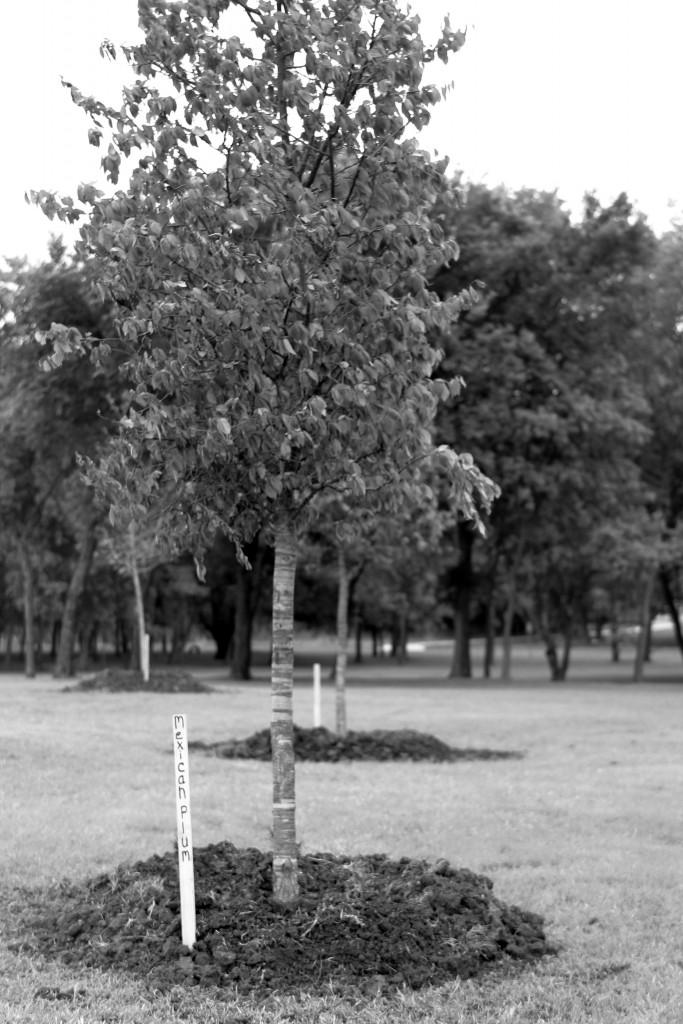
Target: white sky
576	95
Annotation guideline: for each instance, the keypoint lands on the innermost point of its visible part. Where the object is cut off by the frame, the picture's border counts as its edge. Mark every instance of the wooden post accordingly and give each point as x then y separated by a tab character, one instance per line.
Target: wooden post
145	657
317	716
188	918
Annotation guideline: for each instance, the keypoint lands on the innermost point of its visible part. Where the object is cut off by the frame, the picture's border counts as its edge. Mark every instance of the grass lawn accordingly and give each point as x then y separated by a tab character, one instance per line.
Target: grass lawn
586	829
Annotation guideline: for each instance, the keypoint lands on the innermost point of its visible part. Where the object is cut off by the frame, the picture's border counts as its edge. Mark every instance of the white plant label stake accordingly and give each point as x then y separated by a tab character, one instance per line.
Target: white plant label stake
317	718
145	657
188	919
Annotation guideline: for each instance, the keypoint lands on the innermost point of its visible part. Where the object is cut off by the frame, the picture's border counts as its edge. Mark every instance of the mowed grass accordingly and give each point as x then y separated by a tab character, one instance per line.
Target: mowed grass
586	829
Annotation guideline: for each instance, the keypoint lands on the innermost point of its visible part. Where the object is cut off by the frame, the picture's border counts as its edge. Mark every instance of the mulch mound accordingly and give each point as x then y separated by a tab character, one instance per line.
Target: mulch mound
320	744
365	922
116	680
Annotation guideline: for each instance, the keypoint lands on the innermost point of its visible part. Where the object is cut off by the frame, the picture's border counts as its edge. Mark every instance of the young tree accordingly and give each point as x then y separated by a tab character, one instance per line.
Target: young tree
269	259
382	533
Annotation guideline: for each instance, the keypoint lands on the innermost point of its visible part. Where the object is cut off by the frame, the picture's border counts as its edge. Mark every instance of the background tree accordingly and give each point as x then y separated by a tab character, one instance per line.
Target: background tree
661	369
45	420
560	415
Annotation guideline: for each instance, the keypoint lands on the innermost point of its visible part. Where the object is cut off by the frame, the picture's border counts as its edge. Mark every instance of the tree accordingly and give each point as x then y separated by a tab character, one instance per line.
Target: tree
132	542
269	260
661	369
560	415
380	534
45	420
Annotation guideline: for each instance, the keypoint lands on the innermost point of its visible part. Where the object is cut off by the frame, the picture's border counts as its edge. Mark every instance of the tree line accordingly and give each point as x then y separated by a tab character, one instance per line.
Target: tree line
569	352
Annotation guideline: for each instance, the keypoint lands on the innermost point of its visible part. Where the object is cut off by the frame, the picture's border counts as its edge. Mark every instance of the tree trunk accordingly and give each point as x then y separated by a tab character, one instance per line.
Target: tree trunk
490	636
285	869
614	637
248	588
509	614
671	606
9	631
461	665
64	662
139	600
548	637
552	656
567	634
399	633
490	643
221	622
508	619
342	642
358	637
356	620
641	646
240	661
29	611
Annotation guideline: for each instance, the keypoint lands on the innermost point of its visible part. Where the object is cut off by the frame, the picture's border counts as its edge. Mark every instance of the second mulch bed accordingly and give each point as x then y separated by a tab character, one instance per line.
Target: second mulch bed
320	744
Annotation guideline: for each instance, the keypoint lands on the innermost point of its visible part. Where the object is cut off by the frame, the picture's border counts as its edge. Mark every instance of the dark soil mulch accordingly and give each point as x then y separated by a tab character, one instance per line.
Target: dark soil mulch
320	744
364	921
162	680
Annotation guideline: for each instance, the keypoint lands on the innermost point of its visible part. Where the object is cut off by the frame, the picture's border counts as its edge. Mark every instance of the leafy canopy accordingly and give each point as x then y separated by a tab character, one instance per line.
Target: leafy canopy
271	252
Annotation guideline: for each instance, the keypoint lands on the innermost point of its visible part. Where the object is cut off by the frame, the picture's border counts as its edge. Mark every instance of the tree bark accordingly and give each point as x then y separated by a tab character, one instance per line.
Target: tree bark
490	642
247	594
508	619
671	606
509	614
399	633
28	583
139	600
567	634
614	635
358	637
558	664
240	661
461	665
342	643
645	610
64	662
285	867
9	633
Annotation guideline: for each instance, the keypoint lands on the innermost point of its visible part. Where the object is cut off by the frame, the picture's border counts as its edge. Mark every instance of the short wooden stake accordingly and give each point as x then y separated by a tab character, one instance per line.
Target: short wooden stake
145	657
317	715
188	918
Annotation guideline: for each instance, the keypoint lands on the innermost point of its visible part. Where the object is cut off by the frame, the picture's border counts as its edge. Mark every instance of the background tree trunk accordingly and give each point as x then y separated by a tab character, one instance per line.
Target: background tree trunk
240	661
567	636
342	641
249	585
461	665
64	662
509	614
614	628
9	637
28	583
139	600
671	606
645	612
490	643
285	876
508	618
